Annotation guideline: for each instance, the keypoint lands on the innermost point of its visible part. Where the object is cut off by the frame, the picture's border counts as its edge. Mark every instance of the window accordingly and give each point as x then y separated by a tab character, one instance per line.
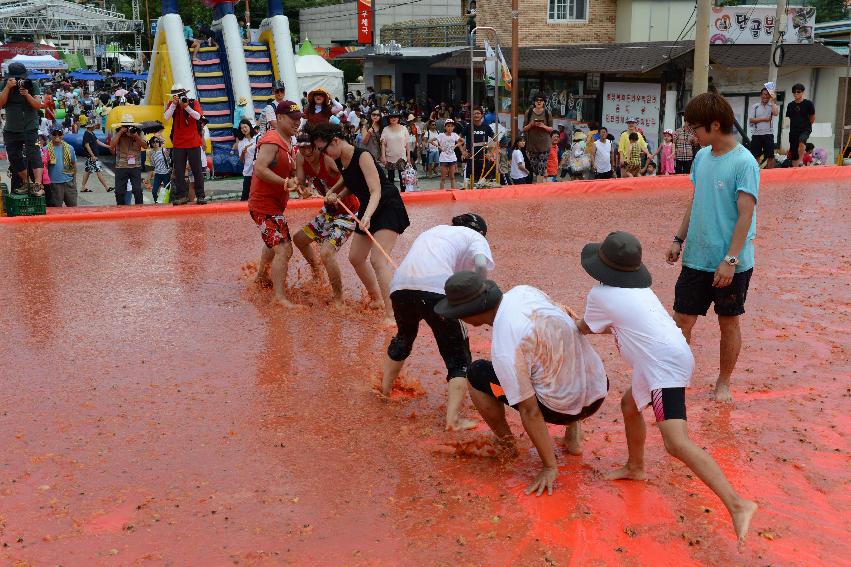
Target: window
567	10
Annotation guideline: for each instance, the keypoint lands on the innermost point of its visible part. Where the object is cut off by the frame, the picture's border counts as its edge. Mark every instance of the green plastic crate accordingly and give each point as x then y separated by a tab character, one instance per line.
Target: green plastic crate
24	205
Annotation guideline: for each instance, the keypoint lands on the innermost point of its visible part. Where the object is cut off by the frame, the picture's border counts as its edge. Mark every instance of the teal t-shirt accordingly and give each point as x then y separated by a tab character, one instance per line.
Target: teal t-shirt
187	32
714	212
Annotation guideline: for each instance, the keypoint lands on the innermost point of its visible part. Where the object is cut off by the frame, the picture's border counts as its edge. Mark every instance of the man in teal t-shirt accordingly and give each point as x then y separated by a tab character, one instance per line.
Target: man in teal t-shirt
718	231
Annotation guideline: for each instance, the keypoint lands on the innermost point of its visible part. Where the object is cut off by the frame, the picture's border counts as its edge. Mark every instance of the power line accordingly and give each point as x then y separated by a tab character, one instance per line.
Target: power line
683	31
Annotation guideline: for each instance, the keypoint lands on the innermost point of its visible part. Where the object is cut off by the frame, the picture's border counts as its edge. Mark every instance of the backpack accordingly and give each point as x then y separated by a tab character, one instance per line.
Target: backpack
547	116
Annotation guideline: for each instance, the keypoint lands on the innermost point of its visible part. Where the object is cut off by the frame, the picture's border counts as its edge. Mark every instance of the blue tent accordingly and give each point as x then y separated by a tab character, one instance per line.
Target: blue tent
141	77
37	75
124	75
86	75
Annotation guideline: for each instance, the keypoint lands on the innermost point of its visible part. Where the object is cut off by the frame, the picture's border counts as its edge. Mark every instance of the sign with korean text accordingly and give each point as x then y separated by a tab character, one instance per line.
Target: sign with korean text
364	16
744	25
640	101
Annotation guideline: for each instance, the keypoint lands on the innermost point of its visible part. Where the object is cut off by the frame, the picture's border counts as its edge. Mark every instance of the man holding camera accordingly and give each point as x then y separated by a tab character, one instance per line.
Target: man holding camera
128	143
186	140
21	130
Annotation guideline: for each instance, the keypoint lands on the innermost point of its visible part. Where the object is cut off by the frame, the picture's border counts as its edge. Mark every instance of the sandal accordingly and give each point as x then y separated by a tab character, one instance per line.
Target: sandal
110	189
86	191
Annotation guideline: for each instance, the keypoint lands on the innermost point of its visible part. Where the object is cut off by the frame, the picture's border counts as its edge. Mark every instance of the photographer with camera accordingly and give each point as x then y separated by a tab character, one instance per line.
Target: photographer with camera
128	143
186	141
21	130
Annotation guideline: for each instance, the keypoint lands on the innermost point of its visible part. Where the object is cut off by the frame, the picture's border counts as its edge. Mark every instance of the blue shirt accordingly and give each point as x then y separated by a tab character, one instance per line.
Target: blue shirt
238	115
55	170
717	182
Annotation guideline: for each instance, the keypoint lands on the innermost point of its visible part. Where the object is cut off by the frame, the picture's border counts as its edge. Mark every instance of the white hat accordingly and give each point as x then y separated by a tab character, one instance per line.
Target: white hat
126	120
177	89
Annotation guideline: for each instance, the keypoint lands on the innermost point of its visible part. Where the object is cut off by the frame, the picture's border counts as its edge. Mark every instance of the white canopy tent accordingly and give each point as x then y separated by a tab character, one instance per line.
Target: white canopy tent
41	62
314	72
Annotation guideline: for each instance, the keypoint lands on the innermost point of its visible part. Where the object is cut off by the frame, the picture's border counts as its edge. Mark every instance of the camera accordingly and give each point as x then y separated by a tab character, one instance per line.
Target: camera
132	130
25	84
184	99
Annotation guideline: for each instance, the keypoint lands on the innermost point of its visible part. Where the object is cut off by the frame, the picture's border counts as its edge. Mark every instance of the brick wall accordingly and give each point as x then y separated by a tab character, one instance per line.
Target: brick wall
534	29
434	32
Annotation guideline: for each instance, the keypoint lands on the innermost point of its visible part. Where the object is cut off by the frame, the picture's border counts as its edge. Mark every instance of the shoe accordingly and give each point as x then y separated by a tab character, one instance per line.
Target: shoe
180	201
24	189
86	191
110	189
201	201
37	189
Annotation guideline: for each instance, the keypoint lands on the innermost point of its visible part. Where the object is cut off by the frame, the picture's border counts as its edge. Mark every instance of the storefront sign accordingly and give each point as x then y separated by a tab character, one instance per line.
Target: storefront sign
364	16
755	24
641	101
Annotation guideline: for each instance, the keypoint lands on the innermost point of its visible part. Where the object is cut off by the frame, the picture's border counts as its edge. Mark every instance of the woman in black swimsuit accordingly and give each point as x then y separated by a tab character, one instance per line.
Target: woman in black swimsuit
381	212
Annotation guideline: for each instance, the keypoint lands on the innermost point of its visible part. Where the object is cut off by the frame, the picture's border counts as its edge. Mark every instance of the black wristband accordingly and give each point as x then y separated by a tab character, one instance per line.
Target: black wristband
678	240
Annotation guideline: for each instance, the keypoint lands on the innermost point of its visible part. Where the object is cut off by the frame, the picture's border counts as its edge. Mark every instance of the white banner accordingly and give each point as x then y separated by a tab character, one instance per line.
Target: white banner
755	25
640	101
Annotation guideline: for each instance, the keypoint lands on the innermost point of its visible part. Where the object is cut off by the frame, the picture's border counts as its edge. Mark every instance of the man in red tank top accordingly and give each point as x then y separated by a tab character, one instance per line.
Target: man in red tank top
317	173
267	201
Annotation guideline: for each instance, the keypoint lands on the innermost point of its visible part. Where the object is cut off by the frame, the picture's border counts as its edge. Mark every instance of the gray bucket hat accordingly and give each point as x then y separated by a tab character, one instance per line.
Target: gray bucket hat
616	261
467	293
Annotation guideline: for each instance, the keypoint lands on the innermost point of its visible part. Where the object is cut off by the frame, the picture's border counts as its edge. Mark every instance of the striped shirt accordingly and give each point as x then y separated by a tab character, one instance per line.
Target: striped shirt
159	162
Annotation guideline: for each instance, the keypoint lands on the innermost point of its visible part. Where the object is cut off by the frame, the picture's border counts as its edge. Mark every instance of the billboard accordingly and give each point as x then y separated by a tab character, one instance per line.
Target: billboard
748	25
364	17
641	101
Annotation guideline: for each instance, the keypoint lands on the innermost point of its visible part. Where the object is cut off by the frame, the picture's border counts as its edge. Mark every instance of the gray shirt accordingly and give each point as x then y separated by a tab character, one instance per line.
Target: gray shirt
760	110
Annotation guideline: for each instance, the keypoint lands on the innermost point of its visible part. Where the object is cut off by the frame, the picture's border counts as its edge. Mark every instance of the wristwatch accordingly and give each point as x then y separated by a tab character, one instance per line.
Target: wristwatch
732	260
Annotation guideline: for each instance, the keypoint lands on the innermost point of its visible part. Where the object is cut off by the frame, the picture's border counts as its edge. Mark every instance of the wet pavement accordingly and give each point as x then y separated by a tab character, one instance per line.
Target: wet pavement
156	410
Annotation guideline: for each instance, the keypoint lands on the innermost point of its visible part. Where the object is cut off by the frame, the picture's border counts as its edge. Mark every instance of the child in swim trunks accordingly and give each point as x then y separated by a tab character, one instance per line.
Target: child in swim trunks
662	363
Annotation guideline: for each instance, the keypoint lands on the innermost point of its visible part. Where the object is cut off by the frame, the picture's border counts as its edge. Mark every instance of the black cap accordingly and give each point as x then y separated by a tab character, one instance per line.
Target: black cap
473	221
616	261
468	293
16	71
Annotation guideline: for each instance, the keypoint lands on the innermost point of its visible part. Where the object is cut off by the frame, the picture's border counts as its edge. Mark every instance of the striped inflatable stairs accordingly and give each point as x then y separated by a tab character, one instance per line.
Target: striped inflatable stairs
260	75
217	104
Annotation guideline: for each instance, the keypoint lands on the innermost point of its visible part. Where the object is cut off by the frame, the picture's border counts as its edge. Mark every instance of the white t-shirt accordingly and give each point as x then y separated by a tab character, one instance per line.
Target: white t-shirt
645	335
429	136
760	110
44	126
248	161
394	143
269	111
352	118
603	156
538	351
438	253
446	145
516	160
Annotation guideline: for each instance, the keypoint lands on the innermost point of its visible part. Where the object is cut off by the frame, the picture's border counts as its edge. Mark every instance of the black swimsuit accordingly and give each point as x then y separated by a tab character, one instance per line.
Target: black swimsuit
390	213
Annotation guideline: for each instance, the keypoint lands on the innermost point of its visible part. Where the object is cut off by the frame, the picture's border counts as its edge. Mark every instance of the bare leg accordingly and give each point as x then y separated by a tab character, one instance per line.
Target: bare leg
442	176
383	269
280	263
685	323
452	169
328	253
100	178
731	345
391	370
454	421
86	175
266	256
573	438
358	254
305	246
636	432
493	412
678	444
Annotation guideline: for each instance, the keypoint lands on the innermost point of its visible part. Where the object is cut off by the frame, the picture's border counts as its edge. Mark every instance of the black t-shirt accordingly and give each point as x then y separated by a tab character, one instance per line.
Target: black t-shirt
90	139
799	114
478	135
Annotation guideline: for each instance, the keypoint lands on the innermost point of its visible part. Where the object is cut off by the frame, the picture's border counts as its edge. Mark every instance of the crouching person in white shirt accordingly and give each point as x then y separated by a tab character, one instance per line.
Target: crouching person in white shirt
542	366
417	286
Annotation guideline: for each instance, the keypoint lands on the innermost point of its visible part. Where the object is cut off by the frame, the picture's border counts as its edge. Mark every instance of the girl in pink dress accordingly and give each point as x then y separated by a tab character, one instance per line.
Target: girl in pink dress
665	151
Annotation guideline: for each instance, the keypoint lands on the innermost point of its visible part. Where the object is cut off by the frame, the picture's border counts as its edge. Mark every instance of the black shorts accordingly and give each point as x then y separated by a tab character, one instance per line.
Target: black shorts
483	378
694	293
412	306
668	403
605	175
796	137
763	145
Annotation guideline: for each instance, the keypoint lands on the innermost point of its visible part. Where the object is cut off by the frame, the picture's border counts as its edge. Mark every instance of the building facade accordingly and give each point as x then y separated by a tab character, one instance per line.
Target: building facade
551	22
337	24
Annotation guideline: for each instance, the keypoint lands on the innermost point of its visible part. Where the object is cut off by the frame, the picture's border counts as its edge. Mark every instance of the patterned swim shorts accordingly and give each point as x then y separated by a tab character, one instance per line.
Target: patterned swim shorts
273	228
538	162
326	227
92	165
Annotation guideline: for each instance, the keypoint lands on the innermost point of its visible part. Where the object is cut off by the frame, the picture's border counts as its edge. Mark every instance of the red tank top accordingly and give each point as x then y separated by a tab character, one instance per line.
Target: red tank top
326	180
267	198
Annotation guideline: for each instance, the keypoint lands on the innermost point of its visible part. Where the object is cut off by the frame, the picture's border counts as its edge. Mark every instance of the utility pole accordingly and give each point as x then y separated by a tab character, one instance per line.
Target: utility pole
777	39
515	73
700	83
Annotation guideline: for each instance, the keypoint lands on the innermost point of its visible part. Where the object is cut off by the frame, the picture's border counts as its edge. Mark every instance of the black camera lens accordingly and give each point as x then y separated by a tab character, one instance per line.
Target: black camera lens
184	99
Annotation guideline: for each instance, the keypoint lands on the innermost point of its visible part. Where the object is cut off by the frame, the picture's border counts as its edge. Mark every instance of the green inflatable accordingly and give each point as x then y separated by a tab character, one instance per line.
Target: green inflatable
60	113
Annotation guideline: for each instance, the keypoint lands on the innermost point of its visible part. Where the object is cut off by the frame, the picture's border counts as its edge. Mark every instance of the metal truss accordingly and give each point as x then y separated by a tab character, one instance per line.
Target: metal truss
62	17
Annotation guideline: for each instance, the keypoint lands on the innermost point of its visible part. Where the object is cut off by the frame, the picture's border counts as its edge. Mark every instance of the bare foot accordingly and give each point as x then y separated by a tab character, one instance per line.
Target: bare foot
722	393
375	304
337	302
573	439
461	424
285	303
626	473
388	322
742	519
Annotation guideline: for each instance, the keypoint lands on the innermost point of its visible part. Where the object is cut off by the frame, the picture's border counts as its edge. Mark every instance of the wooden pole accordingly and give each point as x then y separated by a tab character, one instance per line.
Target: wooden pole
515	63
700	83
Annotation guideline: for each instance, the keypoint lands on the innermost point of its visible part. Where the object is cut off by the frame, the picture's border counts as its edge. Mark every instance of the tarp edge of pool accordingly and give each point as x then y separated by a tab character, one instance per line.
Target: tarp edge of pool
557	189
